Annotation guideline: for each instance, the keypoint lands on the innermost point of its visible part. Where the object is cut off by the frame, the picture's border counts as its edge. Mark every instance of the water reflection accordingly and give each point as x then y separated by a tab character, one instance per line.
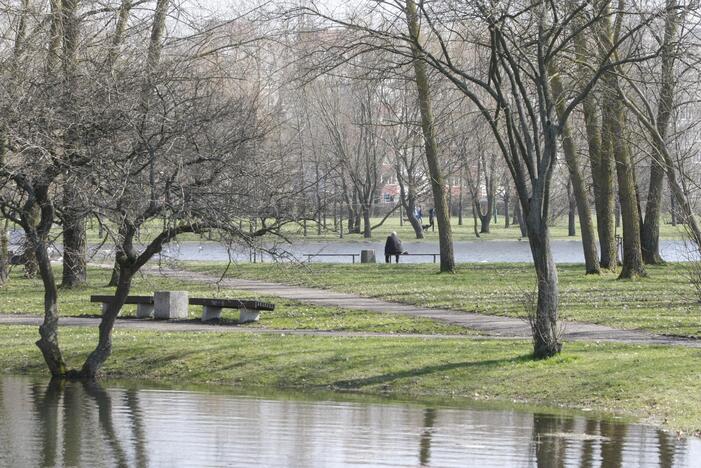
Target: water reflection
85	424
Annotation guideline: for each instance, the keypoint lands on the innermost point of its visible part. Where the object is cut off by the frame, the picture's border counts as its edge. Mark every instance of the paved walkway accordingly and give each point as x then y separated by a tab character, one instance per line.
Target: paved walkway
492	326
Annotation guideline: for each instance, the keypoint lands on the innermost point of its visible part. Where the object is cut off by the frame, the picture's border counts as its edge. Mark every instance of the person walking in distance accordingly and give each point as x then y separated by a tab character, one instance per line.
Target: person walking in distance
432	218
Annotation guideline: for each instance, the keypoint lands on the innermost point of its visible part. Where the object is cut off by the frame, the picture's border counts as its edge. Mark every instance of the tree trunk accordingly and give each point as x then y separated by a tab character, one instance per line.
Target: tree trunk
460	203
521	222
507	201
104	344
74	243
31	265
672	208
74	247
601	162
632	253
445	237
544	324
351	219
571	212
4	224
475	218
650	231
408	202
114	278
615	123
4	253
579	188
485	219
367	228
37	240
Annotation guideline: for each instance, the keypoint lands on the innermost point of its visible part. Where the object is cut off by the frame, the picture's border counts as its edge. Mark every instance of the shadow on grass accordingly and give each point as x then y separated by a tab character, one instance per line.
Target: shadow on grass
423	371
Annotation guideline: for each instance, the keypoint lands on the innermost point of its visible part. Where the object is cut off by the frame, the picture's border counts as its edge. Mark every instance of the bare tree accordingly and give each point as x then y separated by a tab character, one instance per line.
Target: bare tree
445	237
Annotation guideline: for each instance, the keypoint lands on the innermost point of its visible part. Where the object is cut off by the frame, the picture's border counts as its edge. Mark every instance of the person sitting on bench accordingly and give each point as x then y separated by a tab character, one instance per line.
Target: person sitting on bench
393	246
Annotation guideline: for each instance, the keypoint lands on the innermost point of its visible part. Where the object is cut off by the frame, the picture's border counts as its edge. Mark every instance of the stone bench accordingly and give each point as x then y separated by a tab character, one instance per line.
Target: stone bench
173	305
144	304
250	310
164	305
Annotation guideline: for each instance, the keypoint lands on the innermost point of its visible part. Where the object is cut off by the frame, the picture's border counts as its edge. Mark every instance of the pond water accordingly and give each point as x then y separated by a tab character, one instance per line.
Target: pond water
564	251
76	424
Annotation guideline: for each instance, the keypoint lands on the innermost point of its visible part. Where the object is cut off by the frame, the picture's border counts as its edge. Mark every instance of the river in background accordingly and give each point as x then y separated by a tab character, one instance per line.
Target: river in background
564	251
87	425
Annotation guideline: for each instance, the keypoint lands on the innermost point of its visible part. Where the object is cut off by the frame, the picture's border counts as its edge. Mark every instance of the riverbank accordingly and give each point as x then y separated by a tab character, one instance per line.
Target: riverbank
657	385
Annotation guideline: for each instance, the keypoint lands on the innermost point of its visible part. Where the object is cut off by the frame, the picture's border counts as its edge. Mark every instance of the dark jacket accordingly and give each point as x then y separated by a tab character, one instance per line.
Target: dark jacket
393	246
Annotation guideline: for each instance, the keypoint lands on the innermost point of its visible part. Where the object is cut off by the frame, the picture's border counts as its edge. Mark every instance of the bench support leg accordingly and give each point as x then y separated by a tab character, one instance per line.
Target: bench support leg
144	310
170	305
210	313
249	315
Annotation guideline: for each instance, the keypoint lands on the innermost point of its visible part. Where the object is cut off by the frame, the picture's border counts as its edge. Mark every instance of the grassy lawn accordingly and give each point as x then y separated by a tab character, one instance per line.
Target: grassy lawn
662	303
22	296
657	384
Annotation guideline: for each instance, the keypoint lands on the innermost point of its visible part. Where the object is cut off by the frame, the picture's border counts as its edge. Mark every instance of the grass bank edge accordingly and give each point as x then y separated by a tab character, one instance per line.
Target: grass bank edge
657	385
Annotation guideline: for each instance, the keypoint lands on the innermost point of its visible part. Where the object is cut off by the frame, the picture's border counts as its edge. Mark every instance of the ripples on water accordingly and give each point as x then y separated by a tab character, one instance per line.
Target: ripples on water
76	424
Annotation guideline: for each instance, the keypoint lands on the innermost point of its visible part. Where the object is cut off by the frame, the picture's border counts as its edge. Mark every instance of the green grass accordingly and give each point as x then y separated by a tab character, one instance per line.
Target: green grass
460	233
657	384
23	296
662	303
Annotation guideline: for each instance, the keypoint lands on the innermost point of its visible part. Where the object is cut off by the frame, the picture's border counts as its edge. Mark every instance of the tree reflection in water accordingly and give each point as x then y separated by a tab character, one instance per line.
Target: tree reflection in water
425	445
84	424
65	414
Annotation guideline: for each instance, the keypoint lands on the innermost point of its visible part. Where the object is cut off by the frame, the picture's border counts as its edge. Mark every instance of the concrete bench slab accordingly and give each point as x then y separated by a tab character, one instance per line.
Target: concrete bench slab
144	304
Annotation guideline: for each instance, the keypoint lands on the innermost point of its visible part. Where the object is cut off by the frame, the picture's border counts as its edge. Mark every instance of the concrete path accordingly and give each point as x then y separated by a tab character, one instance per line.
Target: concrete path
492	326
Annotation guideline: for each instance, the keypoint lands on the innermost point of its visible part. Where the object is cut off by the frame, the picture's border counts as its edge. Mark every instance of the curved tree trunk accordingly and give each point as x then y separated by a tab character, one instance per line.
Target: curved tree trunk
546	341
36	232
114	277
408	202
104	344
591	256
445	236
